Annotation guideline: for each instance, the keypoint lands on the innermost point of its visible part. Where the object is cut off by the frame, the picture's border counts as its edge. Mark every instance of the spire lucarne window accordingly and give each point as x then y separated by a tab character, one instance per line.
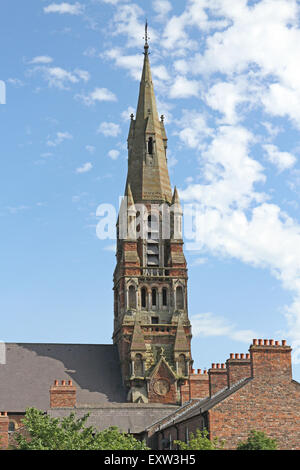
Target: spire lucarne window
150	278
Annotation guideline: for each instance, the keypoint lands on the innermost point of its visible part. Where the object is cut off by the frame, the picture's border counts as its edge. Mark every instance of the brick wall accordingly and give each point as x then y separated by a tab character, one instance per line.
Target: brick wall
270	402
4	421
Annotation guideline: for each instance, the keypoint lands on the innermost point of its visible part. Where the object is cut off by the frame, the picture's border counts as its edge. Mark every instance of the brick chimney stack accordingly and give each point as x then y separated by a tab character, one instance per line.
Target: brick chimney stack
4	422
238	367
270	360
63	395
217	378
196	387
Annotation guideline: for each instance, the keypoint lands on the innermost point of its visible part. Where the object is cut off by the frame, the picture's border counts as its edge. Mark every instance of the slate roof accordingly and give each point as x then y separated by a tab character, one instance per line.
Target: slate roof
128	417
31	369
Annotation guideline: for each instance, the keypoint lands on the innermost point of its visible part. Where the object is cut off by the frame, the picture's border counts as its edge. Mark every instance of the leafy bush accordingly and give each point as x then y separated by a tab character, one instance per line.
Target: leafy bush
70	433
258	440
200	441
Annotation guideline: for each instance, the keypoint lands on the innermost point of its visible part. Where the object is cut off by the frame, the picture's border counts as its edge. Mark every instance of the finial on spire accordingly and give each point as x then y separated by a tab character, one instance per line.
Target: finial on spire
146	46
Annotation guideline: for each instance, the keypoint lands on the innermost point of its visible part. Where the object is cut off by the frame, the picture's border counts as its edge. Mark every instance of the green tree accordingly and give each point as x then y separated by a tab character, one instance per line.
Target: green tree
70	433
257	440
200	441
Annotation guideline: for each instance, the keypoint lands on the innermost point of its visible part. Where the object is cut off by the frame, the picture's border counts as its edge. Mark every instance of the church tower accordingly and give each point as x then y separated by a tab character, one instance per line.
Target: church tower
151	324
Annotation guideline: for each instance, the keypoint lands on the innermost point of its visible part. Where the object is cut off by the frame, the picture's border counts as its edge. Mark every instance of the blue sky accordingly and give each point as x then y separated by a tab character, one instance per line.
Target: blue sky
226	76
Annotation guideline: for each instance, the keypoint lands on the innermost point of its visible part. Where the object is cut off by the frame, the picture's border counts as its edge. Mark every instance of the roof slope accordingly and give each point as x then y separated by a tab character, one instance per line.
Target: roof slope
31	369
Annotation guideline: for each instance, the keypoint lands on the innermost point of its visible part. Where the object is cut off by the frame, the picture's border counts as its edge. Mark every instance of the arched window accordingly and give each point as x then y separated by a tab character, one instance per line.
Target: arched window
179	298
132	297
154	297
165	296
144	297
138	366
181	365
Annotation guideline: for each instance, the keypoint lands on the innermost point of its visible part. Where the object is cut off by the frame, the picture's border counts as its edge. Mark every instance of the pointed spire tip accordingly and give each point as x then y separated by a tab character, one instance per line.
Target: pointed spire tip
146	46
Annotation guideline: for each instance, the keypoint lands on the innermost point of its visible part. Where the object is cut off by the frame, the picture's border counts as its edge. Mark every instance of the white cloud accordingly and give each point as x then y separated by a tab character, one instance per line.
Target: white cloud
184	88
84	168
207	325
41	59
113	154
162	8
65	8
129	21
60	78
282	160
60	137
99	94
16	82
127	113
109	129
132	63
235	220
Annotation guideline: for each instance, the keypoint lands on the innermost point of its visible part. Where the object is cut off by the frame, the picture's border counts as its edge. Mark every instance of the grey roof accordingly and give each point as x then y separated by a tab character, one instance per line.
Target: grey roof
31	369
133	417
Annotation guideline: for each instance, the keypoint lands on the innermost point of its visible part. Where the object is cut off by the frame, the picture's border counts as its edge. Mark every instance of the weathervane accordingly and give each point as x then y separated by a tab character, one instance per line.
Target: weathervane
146	47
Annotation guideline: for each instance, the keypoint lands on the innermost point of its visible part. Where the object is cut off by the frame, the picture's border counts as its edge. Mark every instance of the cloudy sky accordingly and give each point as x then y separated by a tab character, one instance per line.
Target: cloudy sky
226	76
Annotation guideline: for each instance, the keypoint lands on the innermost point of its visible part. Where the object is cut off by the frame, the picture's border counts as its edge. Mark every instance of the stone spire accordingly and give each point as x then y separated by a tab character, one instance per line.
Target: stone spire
147	163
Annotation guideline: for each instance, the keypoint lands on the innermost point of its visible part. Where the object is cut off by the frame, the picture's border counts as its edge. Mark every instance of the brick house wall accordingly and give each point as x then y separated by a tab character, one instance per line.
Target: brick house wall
270	402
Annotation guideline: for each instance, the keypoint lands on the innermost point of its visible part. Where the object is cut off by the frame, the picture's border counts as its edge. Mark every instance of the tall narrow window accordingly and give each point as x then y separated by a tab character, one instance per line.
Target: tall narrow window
138	365
132	297
165	296
144	297
181	365
150	146
179	298
154	297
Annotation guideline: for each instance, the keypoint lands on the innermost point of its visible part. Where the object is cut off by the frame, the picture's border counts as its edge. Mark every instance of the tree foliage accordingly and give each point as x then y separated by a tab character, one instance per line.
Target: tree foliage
200	441
257	440
70	433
